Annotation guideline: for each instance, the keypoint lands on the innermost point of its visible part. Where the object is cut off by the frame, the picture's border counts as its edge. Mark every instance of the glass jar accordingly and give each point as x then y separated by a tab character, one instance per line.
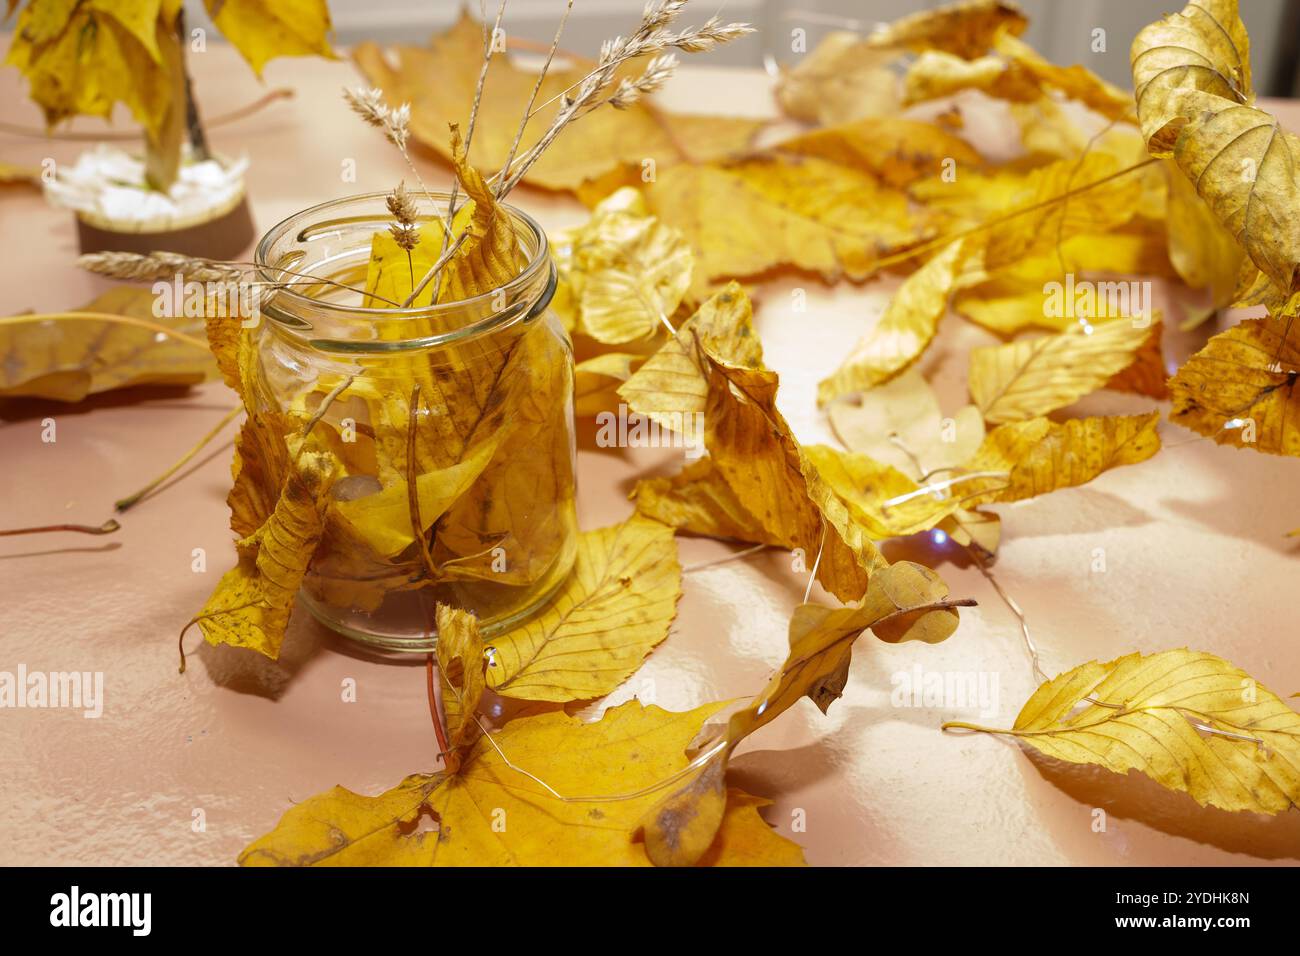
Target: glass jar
489	446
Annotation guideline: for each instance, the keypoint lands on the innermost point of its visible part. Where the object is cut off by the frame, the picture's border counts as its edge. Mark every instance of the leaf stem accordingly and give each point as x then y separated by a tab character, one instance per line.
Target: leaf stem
122	504
438	732
108	527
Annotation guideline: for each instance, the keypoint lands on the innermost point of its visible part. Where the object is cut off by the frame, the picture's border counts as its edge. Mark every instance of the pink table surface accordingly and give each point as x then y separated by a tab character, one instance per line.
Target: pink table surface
1193	540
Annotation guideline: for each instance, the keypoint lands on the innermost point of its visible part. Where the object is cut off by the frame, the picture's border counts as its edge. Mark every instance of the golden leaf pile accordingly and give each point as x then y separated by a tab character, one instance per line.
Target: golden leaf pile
661	330
1185	178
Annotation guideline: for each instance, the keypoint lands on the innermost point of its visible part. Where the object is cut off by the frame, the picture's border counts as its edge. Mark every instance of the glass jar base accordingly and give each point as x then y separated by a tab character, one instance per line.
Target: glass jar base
406	642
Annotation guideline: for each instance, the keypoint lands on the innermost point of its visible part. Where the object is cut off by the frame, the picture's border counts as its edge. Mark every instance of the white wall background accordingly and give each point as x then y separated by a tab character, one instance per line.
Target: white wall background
1060	29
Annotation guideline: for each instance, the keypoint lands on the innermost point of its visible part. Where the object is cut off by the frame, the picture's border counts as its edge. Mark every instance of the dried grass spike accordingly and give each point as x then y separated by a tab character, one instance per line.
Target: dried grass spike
157	266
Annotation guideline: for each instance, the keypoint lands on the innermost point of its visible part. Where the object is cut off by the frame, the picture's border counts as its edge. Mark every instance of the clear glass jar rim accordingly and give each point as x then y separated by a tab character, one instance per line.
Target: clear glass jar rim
540	259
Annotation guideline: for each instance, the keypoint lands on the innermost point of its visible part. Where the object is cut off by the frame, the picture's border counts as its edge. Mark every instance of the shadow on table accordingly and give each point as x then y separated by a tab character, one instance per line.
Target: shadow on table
249	672
179	397
1136	797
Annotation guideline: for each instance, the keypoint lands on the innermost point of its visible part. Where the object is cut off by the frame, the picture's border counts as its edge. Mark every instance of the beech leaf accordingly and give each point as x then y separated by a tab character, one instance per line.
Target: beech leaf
626	271
828	201
1190	721
965	28
842	79
462	669
1240	389
903	332
900	424
596	381
1032	377
251	604
615	606
904	602
1191	73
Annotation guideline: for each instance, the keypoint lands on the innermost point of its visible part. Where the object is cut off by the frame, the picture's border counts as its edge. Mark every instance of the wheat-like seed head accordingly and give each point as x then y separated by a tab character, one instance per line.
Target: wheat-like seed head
370	106
157	266
402	206
404	210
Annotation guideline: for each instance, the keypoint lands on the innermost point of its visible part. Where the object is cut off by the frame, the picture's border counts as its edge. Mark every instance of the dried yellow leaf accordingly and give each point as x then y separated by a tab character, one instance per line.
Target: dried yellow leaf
904	602
671	386
615	606
900	424
1203	252
1016	73
903	332
1032	377
1191	73
626	271
1016	461
966	28
251	604
1041	456
439	82
81	58
462	668
68	359
1240	389
596	381
264	29
828	201
630	749
1012	298
698	500
841	80
1190	721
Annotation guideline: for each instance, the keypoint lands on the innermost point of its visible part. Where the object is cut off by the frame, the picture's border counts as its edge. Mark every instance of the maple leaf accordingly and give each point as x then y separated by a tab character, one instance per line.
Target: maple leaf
1187	719
67	359
491	815
82	58
264	29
